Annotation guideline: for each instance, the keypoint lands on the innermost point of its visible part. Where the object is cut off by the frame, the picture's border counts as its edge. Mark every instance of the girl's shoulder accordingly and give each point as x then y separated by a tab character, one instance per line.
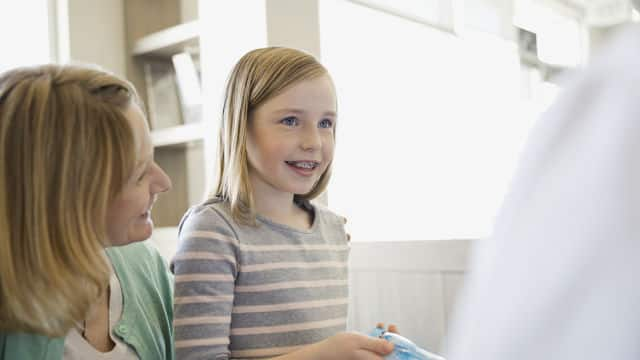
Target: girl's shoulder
332	224
215	207
211	215
324	214
212	210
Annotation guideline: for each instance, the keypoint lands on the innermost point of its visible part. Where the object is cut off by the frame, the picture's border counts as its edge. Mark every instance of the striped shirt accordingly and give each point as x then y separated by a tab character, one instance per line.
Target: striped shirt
254	292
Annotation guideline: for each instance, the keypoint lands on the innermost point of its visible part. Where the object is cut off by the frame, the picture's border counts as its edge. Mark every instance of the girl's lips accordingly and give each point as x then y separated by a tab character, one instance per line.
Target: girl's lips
306	172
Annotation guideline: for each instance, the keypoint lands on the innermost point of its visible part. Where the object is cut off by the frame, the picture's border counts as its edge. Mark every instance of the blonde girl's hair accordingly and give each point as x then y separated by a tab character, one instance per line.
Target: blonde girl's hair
66	150
258	76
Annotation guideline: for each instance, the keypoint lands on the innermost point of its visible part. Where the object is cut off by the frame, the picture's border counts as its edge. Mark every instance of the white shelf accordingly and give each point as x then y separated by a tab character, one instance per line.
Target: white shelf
169	41
176	135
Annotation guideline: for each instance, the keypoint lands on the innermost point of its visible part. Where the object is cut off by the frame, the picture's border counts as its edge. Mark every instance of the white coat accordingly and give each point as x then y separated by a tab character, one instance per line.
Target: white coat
560	276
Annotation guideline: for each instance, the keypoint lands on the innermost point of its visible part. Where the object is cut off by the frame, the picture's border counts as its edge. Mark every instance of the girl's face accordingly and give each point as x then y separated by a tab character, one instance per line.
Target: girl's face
290	138
128	216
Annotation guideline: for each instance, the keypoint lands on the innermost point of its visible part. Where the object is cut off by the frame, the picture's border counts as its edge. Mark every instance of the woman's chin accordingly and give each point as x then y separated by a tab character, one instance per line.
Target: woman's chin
141	232
137	232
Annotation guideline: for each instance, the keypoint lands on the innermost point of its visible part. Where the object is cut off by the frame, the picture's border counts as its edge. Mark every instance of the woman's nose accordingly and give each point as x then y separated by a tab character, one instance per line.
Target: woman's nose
162	182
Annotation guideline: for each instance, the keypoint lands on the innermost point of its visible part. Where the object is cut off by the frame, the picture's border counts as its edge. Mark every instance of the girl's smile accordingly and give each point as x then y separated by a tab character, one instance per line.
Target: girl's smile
304	167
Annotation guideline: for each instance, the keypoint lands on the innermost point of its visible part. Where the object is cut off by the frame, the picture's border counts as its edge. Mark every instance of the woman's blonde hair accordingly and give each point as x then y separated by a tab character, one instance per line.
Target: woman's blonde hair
258	76
66	150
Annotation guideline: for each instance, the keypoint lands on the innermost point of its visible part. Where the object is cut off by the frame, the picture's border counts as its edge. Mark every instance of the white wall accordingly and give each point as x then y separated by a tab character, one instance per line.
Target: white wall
412	284
92	31
285	15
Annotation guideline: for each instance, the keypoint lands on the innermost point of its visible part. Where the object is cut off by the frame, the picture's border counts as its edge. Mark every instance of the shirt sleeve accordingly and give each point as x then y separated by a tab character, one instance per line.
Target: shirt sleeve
205	268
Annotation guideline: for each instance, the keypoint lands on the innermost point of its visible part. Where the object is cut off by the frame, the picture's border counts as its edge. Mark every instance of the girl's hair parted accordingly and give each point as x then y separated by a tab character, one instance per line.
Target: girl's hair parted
66	150
258	76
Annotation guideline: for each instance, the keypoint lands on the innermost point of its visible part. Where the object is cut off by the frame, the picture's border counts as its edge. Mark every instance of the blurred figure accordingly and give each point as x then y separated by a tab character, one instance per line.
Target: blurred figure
557	280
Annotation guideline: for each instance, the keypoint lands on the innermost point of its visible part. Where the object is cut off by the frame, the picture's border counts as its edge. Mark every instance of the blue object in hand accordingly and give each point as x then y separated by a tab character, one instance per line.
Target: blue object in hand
404	349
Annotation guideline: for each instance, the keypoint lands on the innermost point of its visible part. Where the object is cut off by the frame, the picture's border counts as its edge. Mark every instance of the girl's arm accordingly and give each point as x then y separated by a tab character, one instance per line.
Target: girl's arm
205	269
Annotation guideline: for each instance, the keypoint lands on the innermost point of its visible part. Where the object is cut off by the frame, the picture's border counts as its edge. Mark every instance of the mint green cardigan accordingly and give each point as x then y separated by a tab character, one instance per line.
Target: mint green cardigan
147	313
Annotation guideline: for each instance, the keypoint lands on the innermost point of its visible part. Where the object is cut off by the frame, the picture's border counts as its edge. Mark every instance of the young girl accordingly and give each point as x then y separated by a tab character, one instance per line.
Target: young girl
262	272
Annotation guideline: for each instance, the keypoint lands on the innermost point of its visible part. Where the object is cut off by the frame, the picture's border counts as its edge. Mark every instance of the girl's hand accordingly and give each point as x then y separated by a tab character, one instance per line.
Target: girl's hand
350	346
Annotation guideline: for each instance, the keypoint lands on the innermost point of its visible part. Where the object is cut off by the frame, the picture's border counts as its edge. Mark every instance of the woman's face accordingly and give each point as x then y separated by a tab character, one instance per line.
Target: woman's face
129	214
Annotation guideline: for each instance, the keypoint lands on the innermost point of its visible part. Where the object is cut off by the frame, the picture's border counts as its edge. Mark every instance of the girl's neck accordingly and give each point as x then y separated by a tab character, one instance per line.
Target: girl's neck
281	209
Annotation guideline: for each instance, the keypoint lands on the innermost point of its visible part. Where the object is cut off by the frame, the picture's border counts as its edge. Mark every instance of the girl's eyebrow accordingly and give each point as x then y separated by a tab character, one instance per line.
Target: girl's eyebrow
300	111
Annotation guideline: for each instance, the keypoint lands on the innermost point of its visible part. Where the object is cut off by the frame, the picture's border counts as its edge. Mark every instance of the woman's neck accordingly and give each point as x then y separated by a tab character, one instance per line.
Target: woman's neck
96	325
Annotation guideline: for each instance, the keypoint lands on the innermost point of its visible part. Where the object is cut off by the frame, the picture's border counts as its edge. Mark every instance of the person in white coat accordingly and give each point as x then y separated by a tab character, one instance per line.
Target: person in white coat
558	278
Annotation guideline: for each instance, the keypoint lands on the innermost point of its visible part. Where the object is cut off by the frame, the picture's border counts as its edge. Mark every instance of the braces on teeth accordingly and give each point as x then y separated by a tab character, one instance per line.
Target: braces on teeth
303	164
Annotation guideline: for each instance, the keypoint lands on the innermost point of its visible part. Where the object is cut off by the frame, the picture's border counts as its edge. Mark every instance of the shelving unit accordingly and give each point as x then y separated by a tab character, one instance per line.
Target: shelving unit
178	135
156	31
164	43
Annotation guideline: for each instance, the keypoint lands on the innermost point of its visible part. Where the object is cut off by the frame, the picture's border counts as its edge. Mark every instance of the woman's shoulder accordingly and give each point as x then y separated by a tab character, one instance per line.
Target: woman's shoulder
138	261
30	346
142	250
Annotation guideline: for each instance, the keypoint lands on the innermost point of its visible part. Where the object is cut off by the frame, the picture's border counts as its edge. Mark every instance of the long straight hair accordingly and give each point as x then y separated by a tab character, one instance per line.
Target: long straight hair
66	150
258	76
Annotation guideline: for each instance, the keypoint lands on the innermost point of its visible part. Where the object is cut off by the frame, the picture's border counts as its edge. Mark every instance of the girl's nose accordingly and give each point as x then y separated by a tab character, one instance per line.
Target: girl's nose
311	140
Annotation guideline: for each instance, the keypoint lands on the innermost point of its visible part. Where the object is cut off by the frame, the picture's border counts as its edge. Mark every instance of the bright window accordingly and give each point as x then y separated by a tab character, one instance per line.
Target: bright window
430	125
24	33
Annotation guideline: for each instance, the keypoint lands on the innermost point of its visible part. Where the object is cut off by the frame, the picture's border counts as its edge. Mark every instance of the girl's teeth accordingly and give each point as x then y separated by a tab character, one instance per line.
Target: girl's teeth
303	165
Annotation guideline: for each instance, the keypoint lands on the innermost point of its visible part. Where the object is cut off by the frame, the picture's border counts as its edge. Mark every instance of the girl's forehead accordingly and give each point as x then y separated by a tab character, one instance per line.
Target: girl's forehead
317	92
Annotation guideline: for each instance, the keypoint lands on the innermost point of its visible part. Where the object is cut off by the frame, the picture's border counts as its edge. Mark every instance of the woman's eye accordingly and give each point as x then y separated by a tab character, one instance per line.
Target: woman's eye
325	123
289	121
141	177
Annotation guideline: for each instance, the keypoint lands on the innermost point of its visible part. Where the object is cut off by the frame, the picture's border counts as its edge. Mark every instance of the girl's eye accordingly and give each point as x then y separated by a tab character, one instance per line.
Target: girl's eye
289	121
325	124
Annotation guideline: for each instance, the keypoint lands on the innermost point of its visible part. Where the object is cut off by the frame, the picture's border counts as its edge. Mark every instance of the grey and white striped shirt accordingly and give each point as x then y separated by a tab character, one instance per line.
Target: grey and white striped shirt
255	292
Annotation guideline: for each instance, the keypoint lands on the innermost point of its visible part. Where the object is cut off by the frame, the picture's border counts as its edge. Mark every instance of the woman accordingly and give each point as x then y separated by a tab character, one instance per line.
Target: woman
77	182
